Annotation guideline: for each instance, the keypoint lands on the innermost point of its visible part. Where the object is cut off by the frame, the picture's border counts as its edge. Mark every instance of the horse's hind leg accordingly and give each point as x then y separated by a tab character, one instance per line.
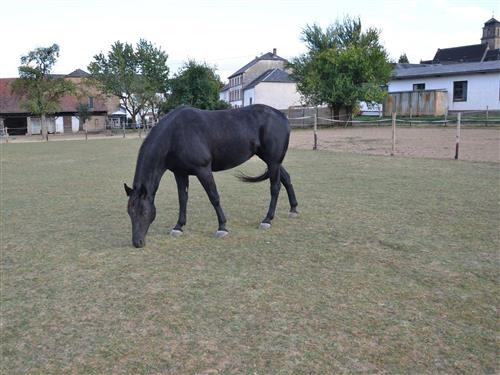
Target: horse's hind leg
182	190
274	177
287	183
206	179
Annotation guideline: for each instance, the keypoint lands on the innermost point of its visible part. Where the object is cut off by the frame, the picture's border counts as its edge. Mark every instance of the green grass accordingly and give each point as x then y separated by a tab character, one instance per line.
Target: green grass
392	267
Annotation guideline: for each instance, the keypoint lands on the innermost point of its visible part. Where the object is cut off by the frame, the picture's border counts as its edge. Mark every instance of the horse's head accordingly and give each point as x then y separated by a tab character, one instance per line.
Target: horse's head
142	212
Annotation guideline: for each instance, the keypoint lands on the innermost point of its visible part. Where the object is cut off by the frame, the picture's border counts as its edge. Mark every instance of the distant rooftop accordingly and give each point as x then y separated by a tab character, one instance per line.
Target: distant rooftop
471	53
446	69
266	56
271	75
492	21
78	73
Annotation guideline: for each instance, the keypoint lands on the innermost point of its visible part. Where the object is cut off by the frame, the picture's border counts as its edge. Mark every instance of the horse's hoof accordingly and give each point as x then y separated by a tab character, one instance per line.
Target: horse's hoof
264	226
221	233
176	233
293	214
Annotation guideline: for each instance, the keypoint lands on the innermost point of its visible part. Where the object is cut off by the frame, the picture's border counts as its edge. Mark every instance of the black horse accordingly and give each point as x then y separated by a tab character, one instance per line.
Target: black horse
190	141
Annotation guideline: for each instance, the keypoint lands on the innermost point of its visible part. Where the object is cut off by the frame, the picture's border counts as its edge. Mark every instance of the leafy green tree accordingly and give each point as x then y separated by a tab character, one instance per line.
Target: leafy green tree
40	91
343	66
152	63
197	85
403	59
136	76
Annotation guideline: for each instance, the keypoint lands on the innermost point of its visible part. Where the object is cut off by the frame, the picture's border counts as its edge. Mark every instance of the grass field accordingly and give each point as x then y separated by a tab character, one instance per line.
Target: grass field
392	267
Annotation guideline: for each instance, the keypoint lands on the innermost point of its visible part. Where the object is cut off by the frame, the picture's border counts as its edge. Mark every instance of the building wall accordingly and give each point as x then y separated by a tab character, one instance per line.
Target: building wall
277	95
249	93
483	90
224	95
111	103
95	123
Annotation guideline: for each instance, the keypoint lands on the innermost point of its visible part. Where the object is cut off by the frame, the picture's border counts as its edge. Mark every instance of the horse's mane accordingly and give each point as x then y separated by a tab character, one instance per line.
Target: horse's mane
148	150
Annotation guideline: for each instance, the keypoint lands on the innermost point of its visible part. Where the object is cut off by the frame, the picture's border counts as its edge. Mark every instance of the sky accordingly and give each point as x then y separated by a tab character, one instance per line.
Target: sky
228	34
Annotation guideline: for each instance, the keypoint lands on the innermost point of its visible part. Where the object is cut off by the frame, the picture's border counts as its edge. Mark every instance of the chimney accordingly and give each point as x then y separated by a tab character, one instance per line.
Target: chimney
274	51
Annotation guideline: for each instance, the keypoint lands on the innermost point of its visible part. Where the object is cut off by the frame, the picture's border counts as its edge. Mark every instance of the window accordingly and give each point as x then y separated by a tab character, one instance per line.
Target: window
460	91
235	81
234	95
418	86
91	102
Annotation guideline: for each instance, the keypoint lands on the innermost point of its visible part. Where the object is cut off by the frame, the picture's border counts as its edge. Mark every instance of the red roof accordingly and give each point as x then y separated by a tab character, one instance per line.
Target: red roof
11	103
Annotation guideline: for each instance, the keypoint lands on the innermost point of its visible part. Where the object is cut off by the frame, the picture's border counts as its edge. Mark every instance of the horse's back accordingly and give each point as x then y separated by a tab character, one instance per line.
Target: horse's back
227	138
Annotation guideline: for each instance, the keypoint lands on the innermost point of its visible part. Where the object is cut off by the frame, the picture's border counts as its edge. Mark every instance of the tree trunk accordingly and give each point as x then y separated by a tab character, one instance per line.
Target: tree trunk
336	112
80	125
44	128
348	112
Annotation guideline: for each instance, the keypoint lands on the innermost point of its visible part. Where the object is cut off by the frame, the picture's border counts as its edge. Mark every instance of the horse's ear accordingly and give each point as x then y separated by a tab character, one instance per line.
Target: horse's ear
143	192
128	190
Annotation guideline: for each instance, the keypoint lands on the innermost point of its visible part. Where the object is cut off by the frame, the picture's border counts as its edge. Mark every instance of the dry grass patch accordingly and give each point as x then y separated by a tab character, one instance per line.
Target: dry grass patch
391	267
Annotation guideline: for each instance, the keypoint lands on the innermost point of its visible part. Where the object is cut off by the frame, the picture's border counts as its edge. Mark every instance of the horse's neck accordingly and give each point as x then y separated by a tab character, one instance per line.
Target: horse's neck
149	171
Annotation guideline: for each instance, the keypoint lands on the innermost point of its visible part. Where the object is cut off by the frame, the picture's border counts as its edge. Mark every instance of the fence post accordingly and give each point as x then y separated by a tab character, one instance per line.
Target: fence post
457	143
315	147
393	133
487	112
124	127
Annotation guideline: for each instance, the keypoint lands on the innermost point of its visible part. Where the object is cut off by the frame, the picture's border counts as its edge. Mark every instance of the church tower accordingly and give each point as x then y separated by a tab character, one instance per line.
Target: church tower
491	34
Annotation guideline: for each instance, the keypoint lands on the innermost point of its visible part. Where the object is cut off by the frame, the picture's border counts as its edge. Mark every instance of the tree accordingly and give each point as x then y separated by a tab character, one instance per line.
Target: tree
403	59
137	77
41	91
83	114
154	73
197	85
342	67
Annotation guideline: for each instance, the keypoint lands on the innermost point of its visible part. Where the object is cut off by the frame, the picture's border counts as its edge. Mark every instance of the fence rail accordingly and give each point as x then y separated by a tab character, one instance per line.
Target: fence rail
473	119
310	119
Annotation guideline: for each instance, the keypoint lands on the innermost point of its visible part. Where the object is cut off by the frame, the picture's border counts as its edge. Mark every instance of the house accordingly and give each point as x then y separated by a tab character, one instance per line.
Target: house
461	87
19	122
264	80
465	78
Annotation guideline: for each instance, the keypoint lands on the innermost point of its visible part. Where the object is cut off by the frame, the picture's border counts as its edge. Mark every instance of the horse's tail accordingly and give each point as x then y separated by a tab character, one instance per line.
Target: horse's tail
245	178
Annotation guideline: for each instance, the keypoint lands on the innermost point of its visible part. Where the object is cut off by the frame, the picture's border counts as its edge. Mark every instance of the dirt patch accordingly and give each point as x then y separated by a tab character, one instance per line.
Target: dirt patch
481	144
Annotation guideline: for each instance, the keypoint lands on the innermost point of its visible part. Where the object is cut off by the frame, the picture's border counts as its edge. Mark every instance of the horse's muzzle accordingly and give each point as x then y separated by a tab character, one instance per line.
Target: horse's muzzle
139	243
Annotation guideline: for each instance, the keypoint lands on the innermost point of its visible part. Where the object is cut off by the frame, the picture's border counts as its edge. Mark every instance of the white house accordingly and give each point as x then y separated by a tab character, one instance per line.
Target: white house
263	80
470	86
274	87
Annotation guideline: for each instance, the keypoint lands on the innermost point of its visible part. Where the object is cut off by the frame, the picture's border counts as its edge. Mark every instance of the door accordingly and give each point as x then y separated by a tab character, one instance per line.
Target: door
75	124
59	125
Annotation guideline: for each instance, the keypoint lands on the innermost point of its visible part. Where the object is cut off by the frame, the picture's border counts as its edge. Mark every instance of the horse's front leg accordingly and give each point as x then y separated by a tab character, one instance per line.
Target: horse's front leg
182	190
206	179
